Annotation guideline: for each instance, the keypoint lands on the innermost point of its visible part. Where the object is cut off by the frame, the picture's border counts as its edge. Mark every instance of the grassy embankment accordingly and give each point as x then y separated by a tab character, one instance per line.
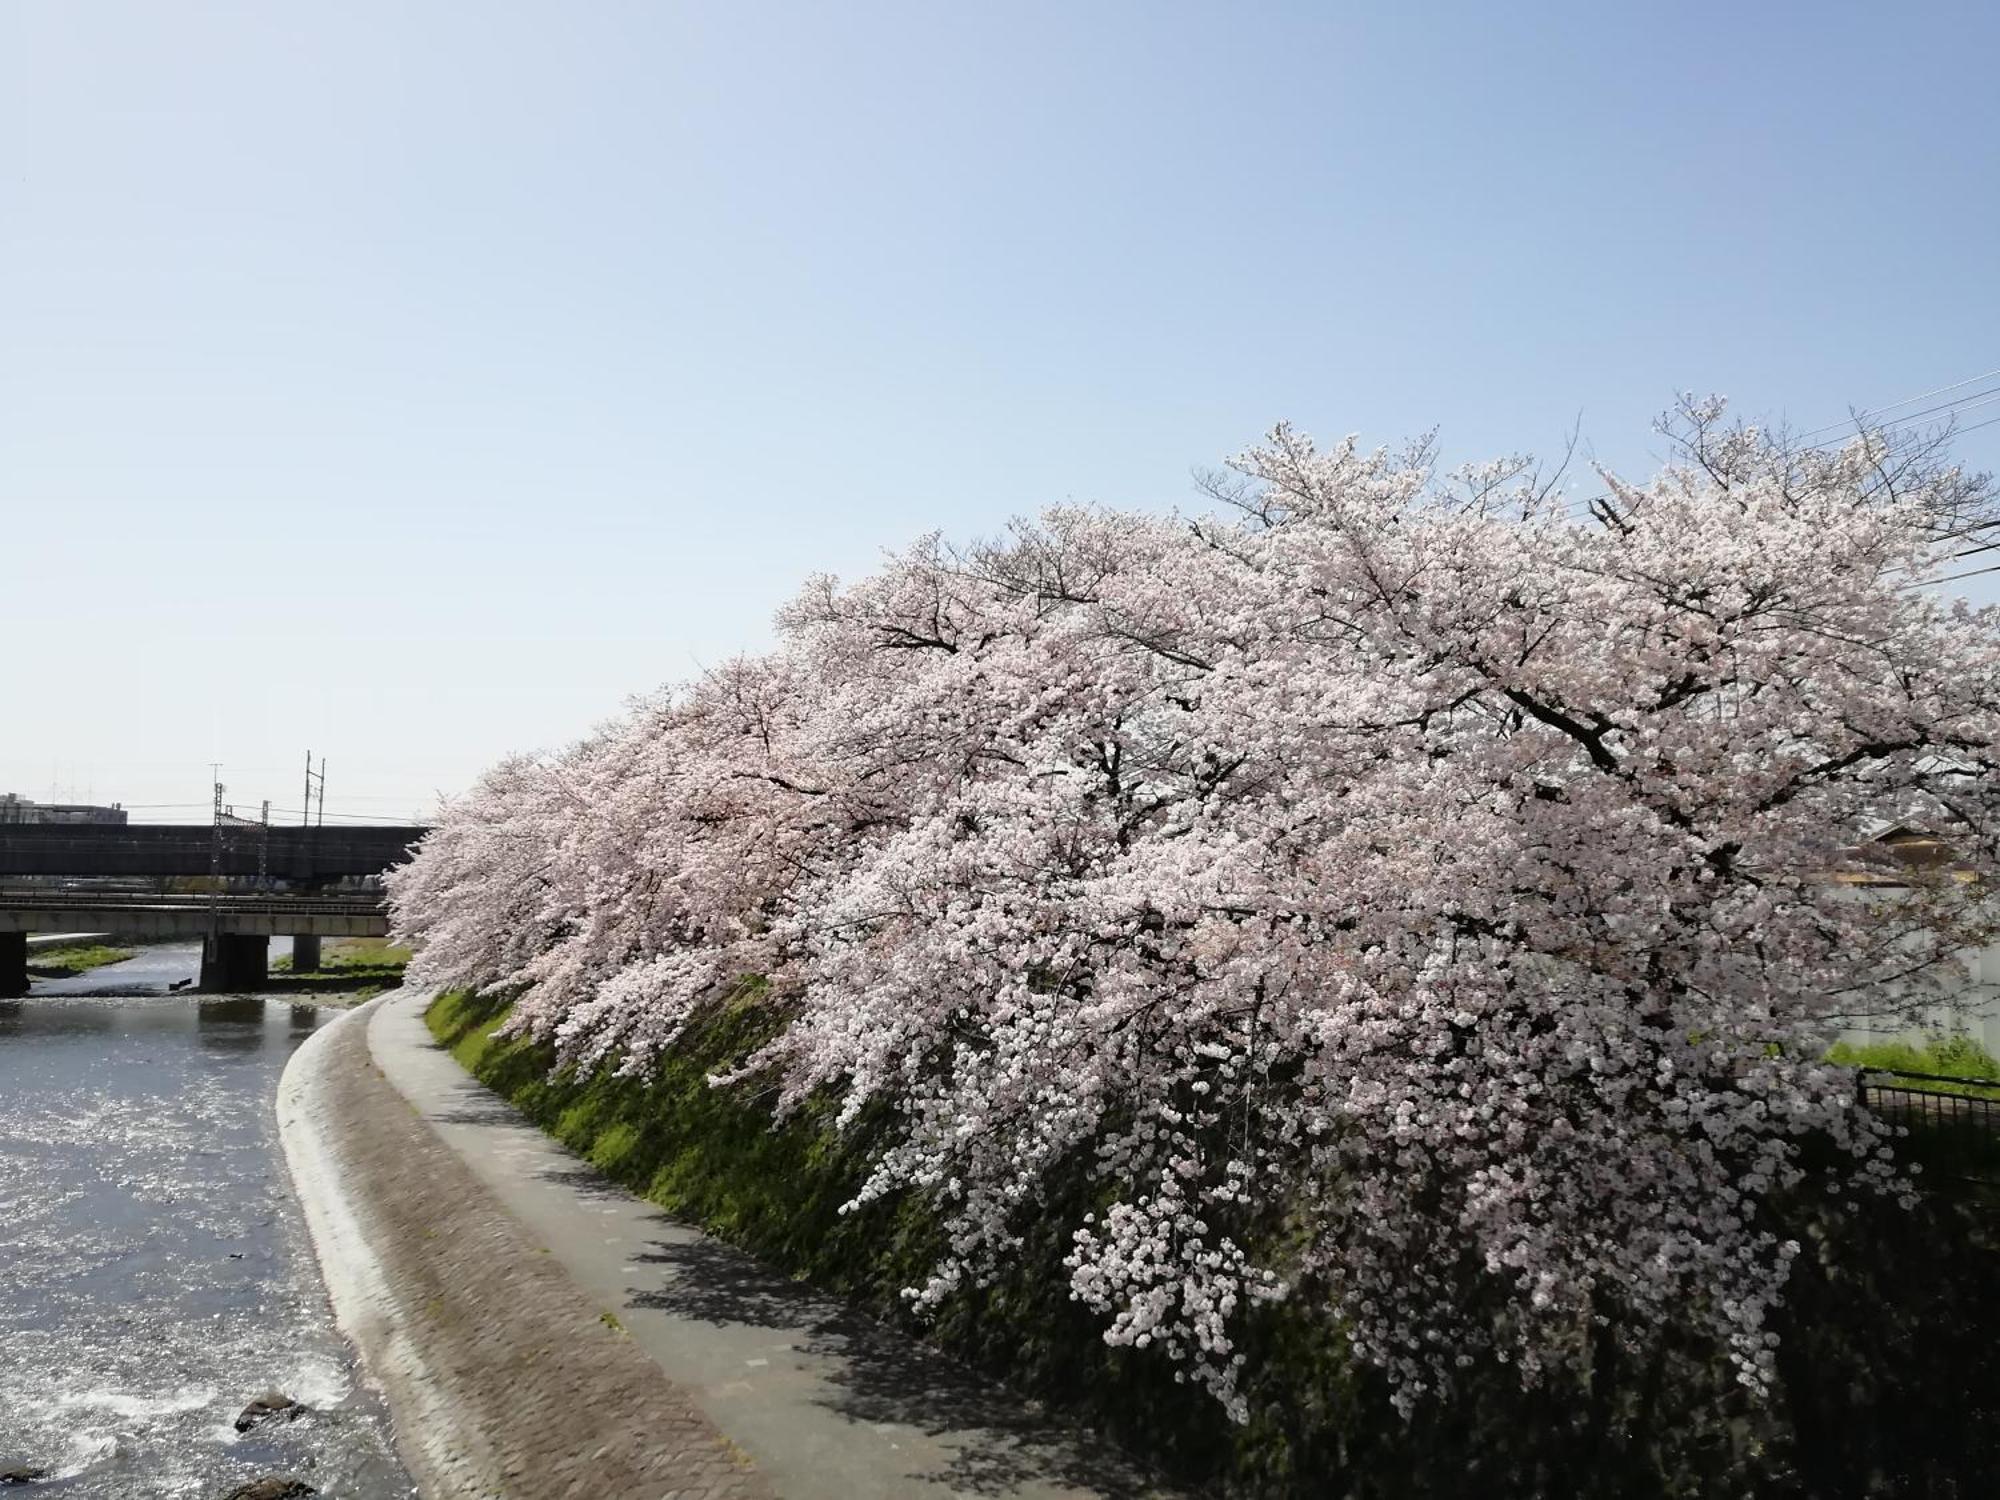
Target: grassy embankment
1941	1055
1889	1360
70	961
363	966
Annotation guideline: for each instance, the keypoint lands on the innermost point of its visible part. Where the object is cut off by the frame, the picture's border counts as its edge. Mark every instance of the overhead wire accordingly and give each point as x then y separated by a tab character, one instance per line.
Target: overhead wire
354	817
1578	509
1867	422
1882	411
1990	546
1954	410
1961	432
1954	577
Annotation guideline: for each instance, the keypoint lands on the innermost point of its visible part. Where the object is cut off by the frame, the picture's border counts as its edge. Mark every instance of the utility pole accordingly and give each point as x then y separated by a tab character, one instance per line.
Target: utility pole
314	778
215	859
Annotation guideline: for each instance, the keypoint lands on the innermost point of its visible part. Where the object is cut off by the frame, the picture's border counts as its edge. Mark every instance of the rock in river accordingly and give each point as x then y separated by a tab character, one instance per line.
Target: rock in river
13	1473
272	1406
272	1487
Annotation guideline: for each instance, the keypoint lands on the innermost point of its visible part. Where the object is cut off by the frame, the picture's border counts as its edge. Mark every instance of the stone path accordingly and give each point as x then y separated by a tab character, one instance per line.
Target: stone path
584	1327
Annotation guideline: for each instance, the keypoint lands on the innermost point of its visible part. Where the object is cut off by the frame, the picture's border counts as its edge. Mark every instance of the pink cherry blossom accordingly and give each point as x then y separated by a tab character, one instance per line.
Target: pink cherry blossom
1428	899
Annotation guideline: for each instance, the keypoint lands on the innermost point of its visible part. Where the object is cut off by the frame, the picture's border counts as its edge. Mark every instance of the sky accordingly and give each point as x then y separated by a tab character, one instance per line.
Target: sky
415	382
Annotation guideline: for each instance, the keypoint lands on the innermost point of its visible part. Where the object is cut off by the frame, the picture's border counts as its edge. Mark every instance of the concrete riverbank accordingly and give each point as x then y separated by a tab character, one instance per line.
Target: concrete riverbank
541	1333
501	1378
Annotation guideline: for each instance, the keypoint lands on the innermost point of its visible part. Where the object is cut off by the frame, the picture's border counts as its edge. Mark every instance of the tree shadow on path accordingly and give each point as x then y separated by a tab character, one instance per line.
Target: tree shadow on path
876	1375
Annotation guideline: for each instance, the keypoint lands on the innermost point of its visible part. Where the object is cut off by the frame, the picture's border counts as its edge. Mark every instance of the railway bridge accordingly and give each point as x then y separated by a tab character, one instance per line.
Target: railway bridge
235	887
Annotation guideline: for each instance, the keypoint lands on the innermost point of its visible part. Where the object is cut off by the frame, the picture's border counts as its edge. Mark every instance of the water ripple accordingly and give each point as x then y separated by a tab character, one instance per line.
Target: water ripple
154	1271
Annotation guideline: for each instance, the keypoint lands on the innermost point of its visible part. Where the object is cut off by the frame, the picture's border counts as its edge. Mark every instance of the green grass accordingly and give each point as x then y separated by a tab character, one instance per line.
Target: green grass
373	958
364	967
1949	1054
68	962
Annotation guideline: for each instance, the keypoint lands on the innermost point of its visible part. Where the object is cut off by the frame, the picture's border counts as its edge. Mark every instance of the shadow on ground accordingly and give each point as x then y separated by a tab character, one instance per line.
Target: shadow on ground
881	1376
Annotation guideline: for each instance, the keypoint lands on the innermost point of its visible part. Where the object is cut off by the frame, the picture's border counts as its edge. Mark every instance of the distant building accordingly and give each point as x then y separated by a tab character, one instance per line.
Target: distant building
14	809
1970	1004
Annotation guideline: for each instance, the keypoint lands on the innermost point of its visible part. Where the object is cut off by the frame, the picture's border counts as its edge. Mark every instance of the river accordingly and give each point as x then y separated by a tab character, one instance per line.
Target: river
155	1273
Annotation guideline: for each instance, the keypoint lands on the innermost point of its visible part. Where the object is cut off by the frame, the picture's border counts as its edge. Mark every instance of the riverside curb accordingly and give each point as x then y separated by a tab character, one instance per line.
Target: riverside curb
353	1277
363	1303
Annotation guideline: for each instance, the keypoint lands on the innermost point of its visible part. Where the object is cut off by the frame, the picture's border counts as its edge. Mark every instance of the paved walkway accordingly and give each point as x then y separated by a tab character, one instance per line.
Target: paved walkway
808	1398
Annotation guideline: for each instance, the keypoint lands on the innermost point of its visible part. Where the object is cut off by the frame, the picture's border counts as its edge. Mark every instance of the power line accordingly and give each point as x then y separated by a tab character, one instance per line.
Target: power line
1961	407
1976	426
1981	526
1576	510
1920	396
1954	577
354	817
1954	408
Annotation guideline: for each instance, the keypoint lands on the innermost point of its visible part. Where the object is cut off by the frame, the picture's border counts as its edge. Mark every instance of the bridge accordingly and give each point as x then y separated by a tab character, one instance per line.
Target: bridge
235	891
167	849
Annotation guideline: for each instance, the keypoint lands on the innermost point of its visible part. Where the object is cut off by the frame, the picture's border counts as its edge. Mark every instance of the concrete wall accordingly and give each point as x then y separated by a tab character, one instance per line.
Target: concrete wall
1973	1008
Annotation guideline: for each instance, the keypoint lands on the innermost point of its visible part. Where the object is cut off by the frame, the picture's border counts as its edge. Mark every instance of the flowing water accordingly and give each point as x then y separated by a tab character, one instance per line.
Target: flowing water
155	1273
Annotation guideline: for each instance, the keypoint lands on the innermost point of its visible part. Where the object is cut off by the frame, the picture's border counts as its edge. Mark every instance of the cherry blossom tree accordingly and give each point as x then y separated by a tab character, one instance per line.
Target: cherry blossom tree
1428	899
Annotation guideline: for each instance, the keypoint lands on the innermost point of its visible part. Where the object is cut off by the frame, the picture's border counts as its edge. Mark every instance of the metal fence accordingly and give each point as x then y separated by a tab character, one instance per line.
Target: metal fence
1954	1122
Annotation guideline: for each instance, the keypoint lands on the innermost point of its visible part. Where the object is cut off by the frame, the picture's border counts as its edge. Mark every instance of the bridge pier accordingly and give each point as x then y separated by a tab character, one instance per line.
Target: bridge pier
232	962
13	964
305	953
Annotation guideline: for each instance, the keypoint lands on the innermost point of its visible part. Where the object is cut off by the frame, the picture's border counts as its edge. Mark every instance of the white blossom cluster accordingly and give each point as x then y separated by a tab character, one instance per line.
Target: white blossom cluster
1410	896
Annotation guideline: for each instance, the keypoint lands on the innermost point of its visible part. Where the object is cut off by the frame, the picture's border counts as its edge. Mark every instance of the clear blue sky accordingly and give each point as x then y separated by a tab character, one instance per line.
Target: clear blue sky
415	381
